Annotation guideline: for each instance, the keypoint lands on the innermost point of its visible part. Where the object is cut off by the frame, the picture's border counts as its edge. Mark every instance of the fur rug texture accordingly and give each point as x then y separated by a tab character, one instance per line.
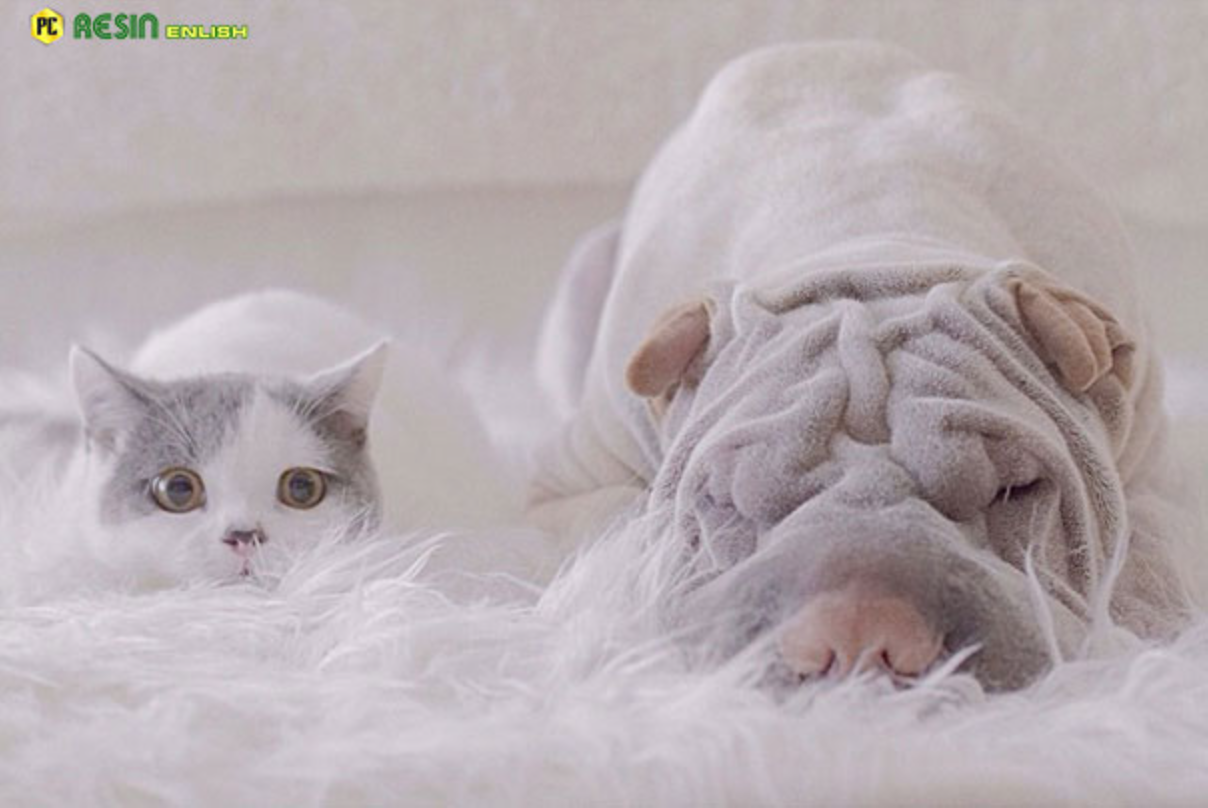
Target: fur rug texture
380	673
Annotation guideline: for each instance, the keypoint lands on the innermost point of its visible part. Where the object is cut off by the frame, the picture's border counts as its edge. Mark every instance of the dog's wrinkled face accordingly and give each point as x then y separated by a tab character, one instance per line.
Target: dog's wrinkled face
887	481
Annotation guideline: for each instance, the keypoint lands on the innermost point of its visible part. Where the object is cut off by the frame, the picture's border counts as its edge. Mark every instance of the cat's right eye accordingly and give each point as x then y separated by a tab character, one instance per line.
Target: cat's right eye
302	488
178	490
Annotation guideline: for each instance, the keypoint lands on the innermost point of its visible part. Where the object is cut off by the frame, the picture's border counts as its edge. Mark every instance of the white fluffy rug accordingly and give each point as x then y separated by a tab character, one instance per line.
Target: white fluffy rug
365	675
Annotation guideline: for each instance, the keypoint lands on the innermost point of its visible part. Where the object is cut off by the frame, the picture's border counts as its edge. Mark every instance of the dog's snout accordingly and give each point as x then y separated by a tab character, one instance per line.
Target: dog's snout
851	629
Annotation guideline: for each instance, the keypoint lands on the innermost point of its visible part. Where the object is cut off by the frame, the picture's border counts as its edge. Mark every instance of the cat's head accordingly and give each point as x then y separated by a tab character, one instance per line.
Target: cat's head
211	476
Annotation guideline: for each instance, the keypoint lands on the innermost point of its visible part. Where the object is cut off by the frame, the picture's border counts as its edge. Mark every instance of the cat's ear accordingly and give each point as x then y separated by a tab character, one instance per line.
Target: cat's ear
110	402
344	395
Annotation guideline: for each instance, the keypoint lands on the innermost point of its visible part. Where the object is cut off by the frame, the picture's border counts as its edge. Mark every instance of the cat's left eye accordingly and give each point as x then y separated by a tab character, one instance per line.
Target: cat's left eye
178	490
302	488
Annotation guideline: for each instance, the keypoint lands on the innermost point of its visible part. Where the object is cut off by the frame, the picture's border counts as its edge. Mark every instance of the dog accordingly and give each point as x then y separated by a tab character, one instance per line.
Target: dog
878	357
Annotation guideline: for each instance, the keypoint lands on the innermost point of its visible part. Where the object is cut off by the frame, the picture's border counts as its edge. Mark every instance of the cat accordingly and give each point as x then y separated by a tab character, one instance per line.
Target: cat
247	433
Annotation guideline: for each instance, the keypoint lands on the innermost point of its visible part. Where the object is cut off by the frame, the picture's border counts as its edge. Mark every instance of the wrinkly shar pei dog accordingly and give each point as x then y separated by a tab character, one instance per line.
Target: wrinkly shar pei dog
878	355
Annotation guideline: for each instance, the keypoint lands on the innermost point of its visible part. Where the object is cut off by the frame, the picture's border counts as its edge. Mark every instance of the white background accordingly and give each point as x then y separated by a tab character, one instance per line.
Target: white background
414	94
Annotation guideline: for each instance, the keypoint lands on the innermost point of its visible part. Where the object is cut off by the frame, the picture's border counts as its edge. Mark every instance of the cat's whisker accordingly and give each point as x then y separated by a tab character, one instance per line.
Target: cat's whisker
183	431
171	424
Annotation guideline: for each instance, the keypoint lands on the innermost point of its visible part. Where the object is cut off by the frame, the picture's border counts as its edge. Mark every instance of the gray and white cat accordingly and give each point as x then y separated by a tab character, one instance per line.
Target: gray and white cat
244	433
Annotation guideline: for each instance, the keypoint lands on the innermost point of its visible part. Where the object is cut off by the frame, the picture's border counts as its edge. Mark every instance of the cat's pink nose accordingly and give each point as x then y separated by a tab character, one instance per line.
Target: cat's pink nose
852	629
244	542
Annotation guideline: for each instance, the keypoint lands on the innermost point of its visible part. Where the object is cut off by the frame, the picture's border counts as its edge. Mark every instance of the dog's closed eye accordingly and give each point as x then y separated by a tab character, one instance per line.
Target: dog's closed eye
1019	491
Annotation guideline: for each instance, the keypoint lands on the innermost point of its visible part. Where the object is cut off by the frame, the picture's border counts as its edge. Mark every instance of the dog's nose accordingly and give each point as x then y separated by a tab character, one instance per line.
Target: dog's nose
244	541
850	629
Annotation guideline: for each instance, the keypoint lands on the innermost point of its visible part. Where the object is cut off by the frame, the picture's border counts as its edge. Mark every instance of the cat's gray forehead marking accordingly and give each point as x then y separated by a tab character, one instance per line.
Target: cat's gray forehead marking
179	423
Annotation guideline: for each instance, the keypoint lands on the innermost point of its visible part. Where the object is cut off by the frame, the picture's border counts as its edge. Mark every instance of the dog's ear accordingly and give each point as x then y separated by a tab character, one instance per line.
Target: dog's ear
1076	335
663	359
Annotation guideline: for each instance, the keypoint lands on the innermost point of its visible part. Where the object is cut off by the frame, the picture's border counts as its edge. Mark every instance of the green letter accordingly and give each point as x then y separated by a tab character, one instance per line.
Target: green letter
82	27
101	26
142	26
123	27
